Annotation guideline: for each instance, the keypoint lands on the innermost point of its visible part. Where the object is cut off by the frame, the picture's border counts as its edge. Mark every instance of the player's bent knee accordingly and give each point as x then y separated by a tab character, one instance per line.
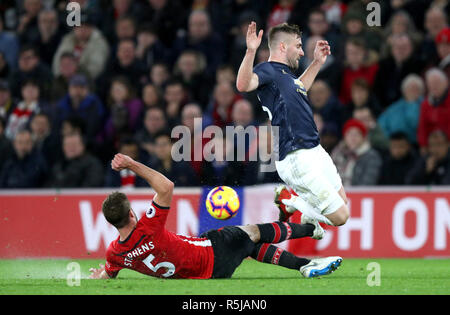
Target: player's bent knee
252	230
340	216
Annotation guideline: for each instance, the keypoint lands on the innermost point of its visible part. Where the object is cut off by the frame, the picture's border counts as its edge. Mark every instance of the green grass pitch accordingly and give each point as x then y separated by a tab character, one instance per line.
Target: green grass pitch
398	276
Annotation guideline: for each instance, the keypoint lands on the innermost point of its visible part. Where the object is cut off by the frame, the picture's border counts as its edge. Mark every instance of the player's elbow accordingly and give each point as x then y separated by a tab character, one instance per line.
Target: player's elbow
167	189
171	186
241	87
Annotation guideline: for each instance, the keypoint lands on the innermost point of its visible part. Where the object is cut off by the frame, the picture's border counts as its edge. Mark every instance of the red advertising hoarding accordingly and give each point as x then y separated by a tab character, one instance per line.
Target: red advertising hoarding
400	223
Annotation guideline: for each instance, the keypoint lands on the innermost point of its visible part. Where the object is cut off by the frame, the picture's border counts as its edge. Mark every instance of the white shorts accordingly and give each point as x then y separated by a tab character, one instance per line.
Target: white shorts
314	177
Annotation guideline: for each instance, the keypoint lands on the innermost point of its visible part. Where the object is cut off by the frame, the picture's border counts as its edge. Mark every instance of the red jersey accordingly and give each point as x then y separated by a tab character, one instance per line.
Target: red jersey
152	250
349	75
433	117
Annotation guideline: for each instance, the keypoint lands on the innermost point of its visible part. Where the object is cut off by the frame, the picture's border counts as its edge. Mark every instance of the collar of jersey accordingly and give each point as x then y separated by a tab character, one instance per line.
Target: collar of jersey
280	63
128	237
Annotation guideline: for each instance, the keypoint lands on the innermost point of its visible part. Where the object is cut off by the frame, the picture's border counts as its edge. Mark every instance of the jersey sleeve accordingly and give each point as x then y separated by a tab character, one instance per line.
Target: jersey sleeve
111	268
264	72
155	218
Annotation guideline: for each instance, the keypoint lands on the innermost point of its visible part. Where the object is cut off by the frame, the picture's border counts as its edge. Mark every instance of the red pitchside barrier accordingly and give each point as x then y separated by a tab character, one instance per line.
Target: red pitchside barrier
407	222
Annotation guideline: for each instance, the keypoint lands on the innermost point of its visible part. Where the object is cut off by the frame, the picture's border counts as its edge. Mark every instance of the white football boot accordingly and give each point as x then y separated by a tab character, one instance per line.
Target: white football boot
319	232
321	266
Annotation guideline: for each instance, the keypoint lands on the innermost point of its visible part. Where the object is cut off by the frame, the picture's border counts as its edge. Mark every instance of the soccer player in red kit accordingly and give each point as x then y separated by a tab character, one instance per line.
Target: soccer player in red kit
144	245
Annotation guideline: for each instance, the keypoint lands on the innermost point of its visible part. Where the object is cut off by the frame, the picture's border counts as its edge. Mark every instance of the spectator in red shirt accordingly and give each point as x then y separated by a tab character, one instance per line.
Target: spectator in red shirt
280	13
224	98
334	10
435	109
356	67
192	118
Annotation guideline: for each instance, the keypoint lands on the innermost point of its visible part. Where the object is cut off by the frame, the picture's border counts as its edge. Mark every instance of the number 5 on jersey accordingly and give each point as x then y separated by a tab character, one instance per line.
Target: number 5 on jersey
170	267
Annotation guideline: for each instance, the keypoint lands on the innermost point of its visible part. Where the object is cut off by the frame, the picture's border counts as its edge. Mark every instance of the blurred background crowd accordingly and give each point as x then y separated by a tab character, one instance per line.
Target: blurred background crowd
72	97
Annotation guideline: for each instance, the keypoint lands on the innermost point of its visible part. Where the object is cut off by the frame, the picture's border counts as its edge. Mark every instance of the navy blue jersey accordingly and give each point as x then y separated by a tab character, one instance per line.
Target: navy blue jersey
283	97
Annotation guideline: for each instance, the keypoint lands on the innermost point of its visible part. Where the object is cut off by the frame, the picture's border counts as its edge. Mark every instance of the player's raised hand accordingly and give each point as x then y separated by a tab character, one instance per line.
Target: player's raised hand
253	39
321	51
121	161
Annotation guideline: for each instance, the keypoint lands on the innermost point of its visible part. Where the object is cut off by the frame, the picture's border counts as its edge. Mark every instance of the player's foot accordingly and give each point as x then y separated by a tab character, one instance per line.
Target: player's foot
282	192
319	232
321	266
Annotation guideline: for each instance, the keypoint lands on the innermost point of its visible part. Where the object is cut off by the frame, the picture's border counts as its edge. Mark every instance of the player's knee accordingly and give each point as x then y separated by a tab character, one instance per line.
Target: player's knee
253	232
341	216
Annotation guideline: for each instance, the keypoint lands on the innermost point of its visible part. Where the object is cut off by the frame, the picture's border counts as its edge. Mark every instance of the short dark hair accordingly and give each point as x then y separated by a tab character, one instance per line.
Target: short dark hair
358	42
42	114
29	47
116	208
364	107
78	135
440	133
361	83
31	81
67	54
147	28
77	123
283	28
317	10
163	133
157	108
127	140
125	40
127	17
399	135
175	81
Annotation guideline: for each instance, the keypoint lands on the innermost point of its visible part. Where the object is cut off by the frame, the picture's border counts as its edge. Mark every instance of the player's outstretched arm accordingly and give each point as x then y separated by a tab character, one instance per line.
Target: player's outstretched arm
247	80
161	184
321	51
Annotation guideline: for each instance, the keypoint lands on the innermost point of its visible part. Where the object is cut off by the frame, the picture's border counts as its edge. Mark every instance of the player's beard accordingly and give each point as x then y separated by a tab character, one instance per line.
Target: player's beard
293	63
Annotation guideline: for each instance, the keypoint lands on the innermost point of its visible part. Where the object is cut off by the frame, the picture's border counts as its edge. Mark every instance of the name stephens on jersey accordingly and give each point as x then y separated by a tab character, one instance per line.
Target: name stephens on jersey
128	260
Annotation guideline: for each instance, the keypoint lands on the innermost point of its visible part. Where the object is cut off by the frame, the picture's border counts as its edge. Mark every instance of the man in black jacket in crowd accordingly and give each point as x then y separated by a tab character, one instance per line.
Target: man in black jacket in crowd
400	160
26	168
433	168
78	168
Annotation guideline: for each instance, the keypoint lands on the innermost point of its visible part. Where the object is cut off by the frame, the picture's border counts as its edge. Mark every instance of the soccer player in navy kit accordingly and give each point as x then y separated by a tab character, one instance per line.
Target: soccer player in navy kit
303	164
144	244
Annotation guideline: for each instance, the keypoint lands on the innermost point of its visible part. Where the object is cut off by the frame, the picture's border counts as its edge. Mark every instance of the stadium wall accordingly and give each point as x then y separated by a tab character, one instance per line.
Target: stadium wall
390	222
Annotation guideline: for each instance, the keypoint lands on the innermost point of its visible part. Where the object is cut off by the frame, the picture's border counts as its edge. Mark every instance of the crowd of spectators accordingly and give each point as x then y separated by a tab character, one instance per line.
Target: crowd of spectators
73	96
